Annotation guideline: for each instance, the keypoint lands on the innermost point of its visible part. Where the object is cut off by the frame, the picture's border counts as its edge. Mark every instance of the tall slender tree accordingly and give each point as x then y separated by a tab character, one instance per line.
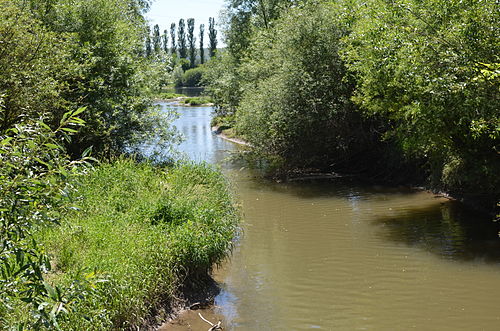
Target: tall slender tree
181	39
212	36
192	42
149	48
164	38
173	47
156	39
202	50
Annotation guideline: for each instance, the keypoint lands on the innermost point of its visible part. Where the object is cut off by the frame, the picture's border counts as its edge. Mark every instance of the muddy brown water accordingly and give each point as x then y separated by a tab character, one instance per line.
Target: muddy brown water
337	255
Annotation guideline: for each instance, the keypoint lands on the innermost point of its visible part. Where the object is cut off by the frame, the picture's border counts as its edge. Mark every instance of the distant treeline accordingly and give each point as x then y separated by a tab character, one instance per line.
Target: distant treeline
393	90
183	46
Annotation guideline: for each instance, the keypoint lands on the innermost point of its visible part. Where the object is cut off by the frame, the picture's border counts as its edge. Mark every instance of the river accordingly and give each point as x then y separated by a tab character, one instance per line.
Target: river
339	255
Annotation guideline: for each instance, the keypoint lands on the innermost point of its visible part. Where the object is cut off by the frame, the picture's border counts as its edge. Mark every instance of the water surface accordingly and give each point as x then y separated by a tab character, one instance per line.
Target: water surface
339	255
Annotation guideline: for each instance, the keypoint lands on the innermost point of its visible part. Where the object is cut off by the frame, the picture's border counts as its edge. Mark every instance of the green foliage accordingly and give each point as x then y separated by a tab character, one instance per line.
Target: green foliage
58	57
173	48
191	78
191	42
212	37
296	93
145	231
197	101
164	41
34	64
202	47
431	69
243	18
156	39
35	192
356	85
222	82
181	39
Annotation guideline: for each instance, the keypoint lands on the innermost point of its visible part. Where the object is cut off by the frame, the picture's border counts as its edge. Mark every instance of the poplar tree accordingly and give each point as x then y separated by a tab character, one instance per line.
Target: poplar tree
165	41
181	39
173	48
202	50
192	42
156	39
212	36
149	48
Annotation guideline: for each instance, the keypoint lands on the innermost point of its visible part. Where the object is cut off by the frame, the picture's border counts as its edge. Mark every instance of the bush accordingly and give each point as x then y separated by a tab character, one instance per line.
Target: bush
36	192
191	78
296	105
430	68
197	101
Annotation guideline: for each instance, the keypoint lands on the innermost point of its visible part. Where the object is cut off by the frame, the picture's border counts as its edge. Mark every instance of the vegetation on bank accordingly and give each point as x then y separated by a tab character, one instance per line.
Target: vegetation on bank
401	90
170	96
185	100
140	233
134	234
197	101
89	245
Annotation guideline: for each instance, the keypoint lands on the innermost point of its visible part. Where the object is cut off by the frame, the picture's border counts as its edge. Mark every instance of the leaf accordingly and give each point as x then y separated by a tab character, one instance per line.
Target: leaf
79	111
69	130
87	152
50	290
45	126
6	141
52	146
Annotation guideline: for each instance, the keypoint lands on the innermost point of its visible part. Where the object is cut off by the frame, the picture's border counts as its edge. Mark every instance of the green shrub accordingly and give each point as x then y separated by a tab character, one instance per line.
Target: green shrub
197	101
36	191
191	77
430	69
296	104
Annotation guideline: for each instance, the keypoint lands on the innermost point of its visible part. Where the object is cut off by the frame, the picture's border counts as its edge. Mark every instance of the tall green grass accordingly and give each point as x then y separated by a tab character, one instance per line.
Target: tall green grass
140	232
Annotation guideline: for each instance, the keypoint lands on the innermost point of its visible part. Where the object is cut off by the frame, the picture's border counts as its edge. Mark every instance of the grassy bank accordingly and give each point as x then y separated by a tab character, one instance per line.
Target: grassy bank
139	233
197	101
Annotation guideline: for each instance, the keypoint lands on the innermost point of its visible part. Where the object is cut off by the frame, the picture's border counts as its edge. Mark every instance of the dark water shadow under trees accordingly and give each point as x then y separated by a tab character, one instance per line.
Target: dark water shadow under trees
449	230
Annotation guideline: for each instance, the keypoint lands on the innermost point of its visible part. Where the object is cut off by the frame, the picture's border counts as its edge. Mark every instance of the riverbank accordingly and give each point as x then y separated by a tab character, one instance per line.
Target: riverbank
225	131
184	100
140	238
227	134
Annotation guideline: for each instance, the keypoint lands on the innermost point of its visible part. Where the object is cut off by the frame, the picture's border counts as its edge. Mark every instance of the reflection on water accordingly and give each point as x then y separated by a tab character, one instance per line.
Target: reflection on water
188	91
200	143
449	231
338	255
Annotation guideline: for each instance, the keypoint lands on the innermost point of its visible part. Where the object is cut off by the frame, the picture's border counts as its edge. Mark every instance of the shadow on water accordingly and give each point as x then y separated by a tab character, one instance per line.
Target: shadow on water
448	230
188	91
342	187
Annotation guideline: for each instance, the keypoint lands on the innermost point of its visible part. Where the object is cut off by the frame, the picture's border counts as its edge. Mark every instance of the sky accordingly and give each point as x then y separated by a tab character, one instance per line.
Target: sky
165	12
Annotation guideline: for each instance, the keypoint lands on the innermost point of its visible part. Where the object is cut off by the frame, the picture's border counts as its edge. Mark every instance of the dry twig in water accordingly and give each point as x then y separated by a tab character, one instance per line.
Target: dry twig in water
214	326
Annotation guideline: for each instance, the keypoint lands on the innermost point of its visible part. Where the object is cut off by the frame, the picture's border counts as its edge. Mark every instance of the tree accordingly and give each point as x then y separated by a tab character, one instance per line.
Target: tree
34	62
156	39
173	48
308	124
425	67
181	39
202	49
148	46
165	41
212	36
192	42
244	17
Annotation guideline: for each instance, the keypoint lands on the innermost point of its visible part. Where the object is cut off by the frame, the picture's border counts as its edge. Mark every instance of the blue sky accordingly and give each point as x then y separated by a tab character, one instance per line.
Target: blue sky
165	12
